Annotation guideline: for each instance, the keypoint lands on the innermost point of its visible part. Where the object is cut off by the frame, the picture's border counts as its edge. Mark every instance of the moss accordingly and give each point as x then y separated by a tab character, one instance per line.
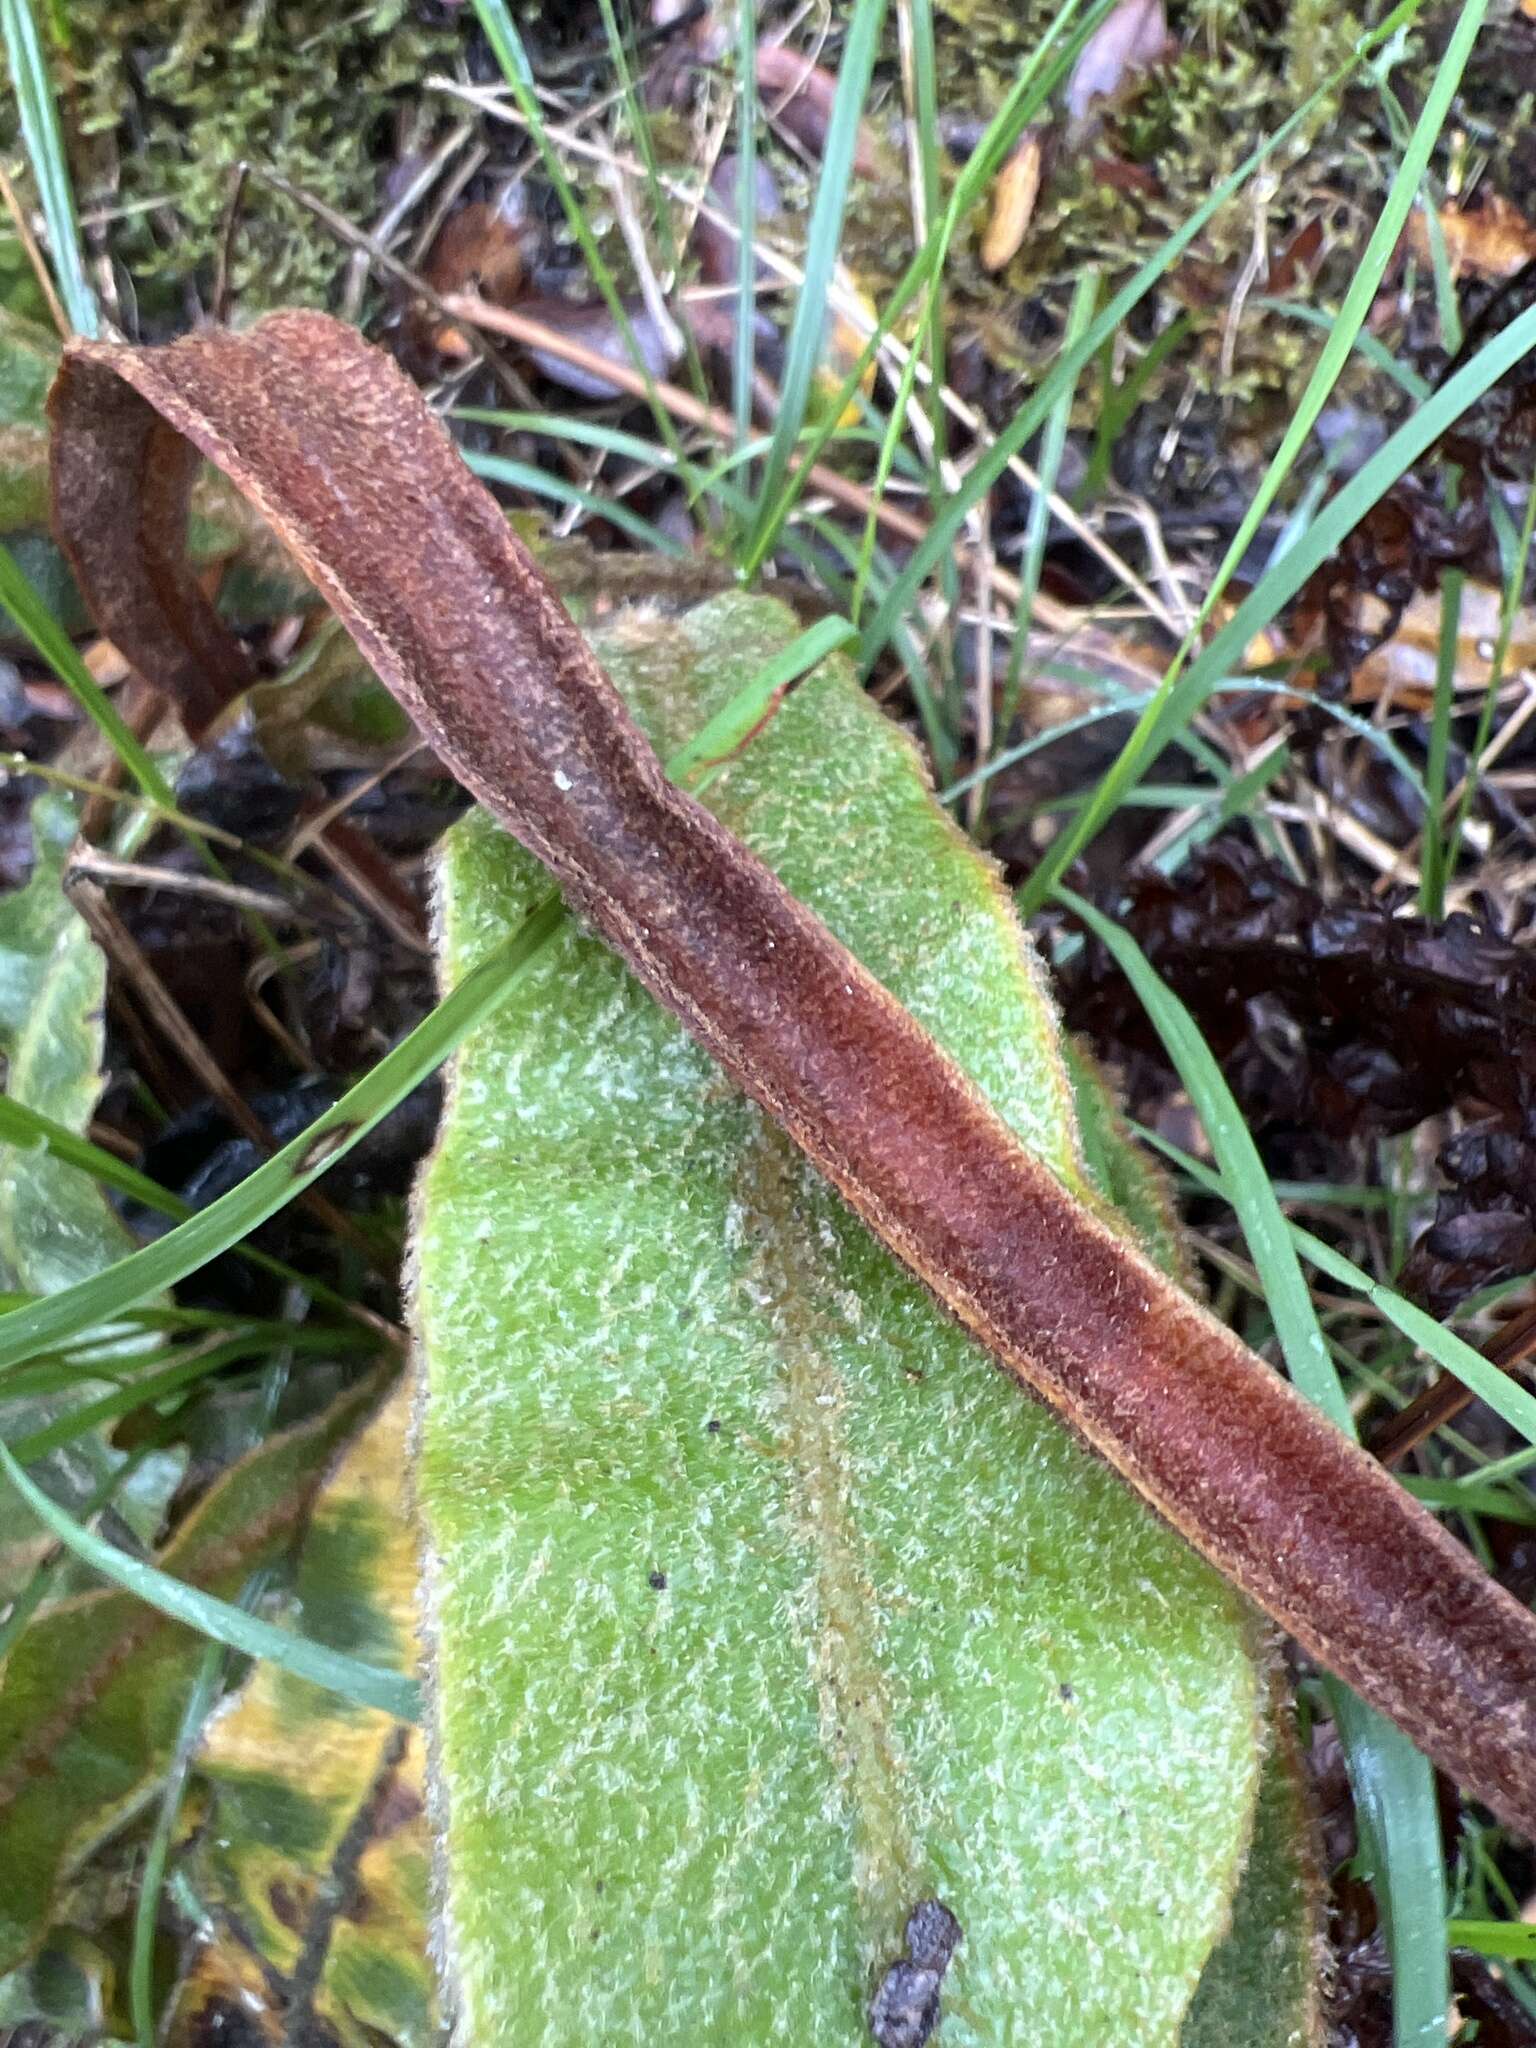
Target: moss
1239	73
164	97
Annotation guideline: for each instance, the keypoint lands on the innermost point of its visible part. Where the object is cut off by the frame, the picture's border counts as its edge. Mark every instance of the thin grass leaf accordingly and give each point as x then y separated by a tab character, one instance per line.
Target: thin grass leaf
141	1969
823	240
1516	560
1400	1845
1047	467
525	476
1515	1940
1169	710
1069	365
730	728
1393	1784
506	42
41	1584
1433	870
1514	1403
925	92
218	1619
27	610
1117	402
744	342
44	140
1367	345
50	1323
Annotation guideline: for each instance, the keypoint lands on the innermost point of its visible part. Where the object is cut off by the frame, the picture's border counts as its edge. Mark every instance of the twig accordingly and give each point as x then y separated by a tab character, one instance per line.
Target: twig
34	256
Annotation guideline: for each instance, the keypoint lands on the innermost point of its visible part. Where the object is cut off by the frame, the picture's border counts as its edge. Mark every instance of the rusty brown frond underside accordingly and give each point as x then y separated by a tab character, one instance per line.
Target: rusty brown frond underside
341	454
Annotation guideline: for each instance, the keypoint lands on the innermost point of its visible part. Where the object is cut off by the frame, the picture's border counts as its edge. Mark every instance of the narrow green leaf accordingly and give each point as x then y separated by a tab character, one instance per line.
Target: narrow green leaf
1514	1940
823	239
218	1619
44	141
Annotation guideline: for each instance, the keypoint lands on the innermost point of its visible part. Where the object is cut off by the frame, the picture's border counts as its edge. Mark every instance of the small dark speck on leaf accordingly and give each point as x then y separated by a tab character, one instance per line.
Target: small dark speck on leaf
713	1425
659	1582
1066	1692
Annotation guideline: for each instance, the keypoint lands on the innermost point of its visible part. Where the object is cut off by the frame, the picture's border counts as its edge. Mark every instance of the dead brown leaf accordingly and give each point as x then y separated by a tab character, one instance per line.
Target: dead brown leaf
1131	39
455	617
1404	668
1493	239
800	96
1013	202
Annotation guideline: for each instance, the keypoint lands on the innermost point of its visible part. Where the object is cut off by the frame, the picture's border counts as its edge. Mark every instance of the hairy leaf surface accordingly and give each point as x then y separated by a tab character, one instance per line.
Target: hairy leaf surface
760	1608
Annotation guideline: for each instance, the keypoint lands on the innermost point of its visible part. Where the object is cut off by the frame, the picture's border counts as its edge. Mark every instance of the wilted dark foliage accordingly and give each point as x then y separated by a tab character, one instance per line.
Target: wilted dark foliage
1343	1018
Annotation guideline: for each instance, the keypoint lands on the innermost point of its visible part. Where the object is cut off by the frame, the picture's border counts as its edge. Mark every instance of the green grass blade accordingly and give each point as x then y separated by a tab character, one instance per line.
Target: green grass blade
1433	870
1394	1786
367	1684
1515	566
141	1971
1047	467
1399	1828
1069	365
44	140
1180	697
823	239
39	1587
730	727
1511	1401
525	476
48	1324
1358	300
1263	1220
744	343
1514	1940
22	603
1373	351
